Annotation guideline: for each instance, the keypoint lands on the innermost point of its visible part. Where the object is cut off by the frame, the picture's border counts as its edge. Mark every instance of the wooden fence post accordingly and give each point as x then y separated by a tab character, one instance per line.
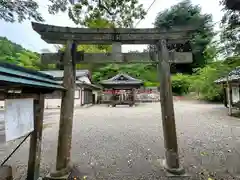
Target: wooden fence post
229	96
36	140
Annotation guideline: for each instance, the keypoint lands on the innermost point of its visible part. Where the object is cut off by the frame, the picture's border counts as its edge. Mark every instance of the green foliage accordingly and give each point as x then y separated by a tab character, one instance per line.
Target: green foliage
93	23
151	84
180	84
8	48
203	81
16	54
140	71
230	32
124	12
29	60
232	62
98	23
184	13
20	10
211	51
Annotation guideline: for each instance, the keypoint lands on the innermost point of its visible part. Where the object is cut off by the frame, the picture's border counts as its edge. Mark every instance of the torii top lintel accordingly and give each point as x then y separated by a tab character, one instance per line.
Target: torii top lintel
59	35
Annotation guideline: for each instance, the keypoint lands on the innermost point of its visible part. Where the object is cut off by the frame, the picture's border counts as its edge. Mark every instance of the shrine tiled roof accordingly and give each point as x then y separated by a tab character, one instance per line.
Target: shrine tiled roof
234	75
123	79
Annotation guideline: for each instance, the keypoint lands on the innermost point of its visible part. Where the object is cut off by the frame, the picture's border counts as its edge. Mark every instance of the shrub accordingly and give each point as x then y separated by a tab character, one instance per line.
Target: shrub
180	84
203	81
151	84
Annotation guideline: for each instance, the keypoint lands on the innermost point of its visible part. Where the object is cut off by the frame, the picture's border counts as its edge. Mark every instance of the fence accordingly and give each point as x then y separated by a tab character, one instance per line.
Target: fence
139	97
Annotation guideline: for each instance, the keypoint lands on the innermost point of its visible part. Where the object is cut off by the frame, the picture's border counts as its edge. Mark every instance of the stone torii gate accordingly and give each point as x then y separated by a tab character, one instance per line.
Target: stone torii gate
74	36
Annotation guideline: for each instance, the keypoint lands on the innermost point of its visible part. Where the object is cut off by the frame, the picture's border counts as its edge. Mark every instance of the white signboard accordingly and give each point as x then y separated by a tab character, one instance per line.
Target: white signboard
77	94
2	128
19	119
235	94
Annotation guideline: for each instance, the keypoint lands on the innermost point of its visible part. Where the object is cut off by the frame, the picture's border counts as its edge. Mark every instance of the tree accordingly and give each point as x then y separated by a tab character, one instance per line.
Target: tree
203	81
231	4
211	52
29	59
230	33
123	12
10	10
13	53
184	13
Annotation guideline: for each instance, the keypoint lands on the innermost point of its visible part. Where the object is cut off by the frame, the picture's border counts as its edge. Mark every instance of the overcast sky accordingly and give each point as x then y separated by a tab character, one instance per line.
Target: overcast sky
29	39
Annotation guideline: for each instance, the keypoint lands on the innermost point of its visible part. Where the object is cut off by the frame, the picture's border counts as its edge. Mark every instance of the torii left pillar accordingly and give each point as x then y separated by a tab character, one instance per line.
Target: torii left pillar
63	165
171	163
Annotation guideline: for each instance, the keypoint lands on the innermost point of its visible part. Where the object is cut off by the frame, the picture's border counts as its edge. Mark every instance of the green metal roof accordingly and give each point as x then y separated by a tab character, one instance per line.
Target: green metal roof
85	85
59	73
18	76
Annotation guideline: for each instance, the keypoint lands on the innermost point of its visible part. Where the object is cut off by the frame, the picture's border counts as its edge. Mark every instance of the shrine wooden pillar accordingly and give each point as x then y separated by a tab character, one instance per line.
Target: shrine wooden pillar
81	96
171	163
229	97
225	101
86	96
113	99
88	100
91	97
133	96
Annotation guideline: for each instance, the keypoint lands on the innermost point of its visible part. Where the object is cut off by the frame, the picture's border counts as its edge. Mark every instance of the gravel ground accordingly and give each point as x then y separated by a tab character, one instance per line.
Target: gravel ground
127	143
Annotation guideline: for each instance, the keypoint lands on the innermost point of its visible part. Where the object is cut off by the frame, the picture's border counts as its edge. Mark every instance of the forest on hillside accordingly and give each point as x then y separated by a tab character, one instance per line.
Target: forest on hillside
211	59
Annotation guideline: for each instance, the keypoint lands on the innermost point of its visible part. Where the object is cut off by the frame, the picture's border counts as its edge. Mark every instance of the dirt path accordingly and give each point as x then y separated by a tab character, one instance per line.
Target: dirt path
127	143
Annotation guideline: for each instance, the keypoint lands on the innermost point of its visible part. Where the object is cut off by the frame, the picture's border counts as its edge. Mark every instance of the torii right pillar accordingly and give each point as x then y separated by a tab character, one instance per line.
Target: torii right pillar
171	163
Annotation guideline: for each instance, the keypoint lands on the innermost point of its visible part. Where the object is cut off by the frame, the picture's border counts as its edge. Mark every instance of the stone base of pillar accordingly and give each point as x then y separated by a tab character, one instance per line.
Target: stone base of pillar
173	171
63	174
65	177
74	173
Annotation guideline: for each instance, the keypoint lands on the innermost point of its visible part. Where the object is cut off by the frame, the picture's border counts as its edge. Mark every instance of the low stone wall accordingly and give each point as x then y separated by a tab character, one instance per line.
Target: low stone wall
51	103
56	103
146	97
